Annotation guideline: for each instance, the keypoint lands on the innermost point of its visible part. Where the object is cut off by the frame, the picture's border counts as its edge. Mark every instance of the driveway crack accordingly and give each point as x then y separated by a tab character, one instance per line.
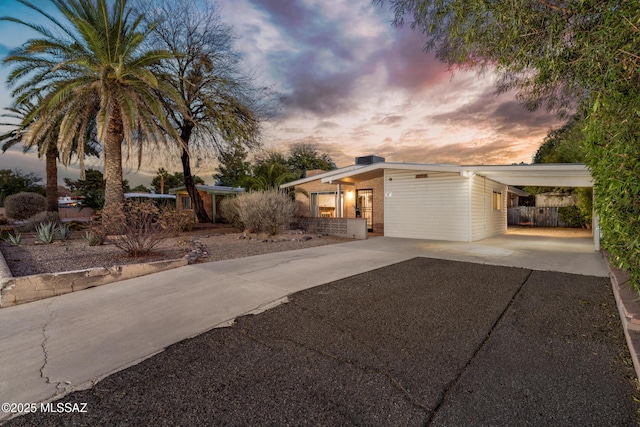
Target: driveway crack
60	385
456	380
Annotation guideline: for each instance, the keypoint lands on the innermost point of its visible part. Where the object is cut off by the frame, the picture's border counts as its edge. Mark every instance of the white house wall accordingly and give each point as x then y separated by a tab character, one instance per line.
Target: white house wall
435	207
485	221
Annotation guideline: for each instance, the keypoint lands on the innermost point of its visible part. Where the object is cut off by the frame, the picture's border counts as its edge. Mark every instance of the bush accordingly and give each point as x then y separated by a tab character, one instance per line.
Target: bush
229	212
24	205
40	218
175	222
265	211
141	230
572	216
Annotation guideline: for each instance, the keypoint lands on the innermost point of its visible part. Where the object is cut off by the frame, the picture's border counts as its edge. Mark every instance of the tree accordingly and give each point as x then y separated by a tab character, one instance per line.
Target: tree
563	145
223	106
233	166
46	143
268	176
306	156
163	181
92	188
93	65
575	56
16	181
140	189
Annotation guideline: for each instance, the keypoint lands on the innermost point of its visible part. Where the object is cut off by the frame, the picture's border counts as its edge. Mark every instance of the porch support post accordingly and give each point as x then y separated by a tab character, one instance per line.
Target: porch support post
213	207
339	202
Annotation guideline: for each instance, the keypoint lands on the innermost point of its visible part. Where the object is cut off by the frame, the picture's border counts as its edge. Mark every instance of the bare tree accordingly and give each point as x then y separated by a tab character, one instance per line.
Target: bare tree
223	105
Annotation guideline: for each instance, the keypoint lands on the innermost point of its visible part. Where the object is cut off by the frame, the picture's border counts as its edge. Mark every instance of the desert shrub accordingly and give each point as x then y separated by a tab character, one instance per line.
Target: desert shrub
141	230
76	225
94	237
229	212
24	205
40	218
265	211
174	221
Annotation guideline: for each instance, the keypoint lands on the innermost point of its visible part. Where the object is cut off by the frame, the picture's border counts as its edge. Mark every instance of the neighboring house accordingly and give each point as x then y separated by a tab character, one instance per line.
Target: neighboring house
437	202
211	195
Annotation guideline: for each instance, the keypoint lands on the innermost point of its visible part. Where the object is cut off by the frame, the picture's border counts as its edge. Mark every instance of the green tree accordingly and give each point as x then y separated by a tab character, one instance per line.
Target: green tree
92	65
16	181
305	156
92	188
223	106
140	189
164	181
577	56
268	176
563	145
233	166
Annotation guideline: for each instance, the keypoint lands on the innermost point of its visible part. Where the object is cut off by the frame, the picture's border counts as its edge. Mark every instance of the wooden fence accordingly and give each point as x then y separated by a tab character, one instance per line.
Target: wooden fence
535	216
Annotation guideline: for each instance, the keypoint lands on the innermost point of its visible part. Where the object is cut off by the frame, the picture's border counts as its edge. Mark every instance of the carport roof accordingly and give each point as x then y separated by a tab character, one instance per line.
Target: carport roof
547	175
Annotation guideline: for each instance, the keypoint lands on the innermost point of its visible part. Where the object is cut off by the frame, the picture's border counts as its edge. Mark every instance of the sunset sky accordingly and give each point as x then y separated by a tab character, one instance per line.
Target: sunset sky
354	85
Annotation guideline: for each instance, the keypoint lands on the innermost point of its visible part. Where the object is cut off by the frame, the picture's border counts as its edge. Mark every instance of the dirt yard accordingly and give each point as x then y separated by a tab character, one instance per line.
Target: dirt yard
210	243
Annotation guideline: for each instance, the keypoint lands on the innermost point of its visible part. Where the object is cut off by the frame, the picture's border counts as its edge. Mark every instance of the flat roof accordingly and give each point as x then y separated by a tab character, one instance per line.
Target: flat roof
545	174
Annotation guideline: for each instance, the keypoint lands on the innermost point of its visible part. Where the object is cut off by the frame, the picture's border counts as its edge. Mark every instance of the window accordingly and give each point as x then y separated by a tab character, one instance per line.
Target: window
497	201
186	203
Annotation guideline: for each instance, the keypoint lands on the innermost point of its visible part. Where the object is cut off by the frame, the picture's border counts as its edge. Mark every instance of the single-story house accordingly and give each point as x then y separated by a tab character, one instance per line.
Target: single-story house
427	201
211	195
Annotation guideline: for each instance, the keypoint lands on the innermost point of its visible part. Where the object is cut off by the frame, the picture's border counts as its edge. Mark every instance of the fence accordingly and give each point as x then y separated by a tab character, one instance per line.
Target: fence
535	216
355	228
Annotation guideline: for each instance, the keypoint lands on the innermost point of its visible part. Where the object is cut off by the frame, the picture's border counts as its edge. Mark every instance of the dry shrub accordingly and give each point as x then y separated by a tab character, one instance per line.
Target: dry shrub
265	211
175	222
144	227
229	212
141	231
24	205
41	218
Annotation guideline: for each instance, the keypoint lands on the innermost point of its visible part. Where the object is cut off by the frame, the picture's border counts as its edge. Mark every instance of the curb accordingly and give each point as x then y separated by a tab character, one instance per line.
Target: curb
629	309
5	273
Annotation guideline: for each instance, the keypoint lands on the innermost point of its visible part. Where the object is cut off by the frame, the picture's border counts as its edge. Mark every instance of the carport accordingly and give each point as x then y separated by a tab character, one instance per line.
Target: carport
542	175
453	202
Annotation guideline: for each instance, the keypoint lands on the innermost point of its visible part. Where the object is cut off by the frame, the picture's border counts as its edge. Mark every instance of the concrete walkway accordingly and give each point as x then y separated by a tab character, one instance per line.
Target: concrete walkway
51	347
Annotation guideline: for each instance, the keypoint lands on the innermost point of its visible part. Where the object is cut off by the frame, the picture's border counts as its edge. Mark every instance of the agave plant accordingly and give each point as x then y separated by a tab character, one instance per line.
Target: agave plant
64	232
13	239
45	232
93	238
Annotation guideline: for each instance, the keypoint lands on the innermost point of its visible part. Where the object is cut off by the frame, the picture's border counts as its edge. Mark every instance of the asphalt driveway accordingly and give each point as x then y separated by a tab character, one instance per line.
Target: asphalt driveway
424	341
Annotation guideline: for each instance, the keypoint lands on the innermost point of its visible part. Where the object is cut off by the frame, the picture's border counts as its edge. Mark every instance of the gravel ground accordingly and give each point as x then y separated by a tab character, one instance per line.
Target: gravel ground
423	342
218	242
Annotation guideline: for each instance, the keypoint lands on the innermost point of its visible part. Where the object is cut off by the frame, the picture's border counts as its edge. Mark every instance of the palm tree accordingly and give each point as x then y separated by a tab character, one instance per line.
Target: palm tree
97	58
46	143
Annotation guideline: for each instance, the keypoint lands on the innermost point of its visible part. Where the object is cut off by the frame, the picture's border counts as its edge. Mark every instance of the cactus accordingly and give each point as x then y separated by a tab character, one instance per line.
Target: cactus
64	232
13	239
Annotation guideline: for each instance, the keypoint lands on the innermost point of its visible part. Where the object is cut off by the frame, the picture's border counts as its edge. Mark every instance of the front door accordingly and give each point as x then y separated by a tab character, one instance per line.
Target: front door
364	206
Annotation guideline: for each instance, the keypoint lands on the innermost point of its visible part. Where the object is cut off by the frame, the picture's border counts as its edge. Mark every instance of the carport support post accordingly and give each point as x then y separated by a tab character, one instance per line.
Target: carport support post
595	226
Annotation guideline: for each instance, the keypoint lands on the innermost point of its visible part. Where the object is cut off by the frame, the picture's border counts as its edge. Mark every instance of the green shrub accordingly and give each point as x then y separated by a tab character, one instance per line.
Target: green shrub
13	239
40	218
24	205
265	211
572	216
64	232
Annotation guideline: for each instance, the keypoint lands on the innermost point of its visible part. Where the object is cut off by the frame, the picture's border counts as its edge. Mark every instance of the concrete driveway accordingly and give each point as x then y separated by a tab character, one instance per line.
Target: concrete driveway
421	342
55	346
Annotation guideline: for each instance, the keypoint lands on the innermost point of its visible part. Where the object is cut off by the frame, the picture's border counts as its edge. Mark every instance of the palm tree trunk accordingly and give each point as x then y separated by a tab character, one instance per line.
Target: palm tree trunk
51	162
113	211
196	200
